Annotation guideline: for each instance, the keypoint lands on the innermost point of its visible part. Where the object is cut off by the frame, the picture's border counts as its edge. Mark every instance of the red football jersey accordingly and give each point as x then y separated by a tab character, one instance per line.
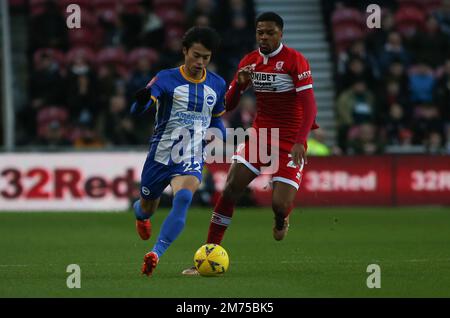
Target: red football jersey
276	80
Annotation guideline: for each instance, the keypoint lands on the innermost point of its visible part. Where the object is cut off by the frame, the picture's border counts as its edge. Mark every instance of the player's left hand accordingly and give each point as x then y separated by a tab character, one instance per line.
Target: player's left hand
298	153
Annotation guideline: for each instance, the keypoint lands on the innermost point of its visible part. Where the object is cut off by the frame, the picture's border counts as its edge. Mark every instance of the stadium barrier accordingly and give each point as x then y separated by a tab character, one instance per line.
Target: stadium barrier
106	181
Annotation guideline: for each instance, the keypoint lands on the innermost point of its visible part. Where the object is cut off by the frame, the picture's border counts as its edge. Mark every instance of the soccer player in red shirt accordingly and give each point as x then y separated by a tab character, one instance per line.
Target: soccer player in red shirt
282	82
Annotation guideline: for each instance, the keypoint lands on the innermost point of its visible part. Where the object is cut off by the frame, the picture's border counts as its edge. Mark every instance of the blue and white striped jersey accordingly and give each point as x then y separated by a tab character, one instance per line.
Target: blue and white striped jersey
182	102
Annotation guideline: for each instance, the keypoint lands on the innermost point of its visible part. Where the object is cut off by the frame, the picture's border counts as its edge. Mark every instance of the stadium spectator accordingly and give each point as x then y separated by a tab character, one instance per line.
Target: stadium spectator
153	31
201	8
316	143
389	95
54	136
442	92
118	127
231	9
202	20
366	140
141	76
442	16
48	29
395	125
435	143
356	69
172	55
397	72
357	50
427	118
376	40
393	50
86	136
46	83
421	84
354	106
112	28
237	41
430	46
81	93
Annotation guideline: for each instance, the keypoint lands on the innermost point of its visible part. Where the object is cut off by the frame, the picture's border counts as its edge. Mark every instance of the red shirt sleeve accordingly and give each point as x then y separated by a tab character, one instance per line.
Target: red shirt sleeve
303	84
235	92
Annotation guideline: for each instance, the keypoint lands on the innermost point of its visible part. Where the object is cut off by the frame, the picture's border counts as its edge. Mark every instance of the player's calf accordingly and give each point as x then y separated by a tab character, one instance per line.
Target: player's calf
143	224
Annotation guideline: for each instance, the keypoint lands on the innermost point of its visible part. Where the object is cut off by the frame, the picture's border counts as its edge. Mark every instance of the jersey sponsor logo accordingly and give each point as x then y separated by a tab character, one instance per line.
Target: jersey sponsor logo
210	100
191	119
264	81
304	75
279	66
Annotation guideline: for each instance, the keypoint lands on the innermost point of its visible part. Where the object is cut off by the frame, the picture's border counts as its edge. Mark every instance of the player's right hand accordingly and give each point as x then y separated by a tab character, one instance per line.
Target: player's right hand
244	75
143	96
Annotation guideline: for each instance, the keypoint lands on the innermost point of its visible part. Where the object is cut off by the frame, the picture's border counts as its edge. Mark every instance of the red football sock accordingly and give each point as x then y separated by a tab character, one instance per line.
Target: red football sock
221	218
279	219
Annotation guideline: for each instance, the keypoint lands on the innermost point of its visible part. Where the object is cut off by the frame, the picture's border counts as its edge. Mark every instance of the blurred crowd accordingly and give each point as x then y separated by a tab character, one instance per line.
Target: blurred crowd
82	81
393	82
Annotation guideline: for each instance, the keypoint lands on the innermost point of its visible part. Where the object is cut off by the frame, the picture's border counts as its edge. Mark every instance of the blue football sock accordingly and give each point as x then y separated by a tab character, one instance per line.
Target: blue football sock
174	223
138	212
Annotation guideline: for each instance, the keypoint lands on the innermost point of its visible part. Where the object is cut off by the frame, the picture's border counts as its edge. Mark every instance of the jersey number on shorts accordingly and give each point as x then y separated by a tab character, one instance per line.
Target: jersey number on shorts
192	166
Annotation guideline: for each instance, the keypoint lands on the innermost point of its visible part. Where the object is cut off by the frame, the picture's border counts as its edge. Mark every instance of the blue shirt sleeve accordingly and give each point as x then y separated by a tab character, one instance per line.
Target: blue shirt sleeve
219	108
157	87
216	122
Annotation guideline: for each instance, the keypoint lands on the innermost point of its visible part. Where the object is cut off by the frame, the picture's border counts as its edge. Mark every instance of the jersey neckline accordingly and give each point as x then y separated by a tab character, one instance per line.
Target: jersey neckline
273	53
192	80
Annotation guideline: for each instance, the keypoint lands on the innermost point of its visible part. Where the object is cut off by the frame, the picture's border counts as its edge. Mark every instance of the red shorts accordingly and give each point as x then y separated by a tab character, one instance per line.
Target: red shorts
280	166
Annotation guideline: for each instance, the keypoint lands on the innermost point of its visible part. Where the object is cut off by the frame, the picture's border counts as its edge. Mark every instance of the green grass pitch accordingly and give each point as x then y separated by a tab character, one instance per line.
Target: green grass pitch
325	254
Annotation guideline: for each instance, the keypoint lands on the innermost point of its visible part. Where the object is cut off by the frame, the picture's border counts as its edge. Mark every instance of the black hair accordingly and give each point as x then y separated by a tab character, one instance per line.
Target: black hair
272	17
206	36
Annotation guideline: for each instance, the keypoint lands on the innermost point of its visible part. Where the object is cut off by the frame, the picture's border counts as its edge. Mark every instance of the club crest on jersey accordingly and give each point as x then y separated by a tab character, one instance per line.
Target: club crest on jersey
279	66
210	100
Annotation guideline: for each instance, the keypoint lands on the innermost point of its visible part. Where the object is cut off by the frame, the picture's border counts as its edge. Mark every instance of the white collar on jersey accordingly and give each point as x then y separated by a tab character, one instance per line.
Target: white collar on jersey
266	57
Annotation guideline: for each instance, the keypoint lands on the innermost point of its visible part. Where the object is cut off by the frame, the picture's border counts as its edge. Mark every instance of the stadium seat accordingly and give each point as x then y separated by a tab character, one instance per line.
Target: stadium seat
174	32
111	55
345	35
408	19
15	4
37	7
87	53
409	14
84	4
104	4
49	114
82	37
171	17
151	54
176	4
347	16
418	4
107	15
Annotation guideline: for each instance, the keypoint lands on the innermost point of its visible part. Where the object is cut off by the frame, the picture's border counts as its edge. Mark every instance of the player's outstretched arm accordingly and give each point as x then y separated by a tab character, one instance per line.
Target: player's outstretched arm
308	102
143	101
239	84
